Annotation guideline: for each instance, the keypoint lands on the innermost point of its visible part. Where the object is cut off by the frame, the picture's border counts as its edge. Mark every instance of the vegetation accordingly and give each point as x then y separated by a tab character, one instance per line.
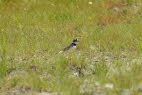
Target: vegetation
107	60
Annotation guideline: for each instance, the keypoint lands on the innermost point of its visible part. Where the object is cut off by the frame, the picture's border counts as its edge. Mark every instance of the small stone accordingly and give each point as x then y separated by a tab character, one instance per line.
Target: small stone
90	3
109	85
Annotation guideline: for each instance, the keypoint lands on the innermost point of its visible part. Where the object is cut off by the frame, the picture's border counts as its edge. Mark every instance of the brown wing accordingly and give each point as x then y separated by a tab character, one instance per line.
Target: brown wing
68	47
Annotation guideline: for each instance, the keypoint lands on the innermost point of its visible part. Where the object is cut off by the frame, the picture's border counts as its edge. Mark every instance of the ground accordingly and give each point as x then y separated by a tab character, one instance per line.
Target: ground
107	60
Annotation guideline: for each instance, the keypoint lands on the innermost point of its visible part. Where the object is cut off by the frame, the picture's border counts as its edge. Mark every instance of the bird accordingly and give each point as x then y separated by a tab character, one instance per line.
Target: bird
71	46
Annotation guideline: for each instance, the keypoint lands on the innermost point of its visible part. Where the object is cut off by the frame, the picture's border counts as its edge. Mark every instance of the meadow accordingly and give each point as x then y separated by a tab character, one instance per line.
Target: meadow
107	60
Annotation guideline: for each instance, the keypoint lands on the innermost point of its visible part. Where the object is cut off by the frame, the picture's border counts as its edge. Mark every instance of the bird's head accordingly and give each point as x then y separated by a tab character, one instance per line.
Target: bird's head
75	41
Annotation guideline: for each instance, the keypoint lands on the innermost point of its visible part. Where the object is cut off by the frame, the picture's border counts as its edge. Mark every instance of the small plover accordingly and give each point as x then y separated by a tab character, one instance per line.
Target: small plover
72	45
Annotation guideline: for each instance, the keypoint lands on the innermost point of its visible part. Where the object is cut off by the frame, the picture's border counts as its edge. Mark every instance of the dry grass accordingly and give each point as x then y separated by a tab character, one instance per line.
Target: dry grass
107	60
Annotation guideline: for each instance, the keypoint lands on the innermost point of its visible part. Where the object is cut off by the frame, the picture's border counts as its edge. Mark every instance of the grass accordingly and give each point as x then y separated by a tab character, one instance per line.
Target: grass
32	32
3	66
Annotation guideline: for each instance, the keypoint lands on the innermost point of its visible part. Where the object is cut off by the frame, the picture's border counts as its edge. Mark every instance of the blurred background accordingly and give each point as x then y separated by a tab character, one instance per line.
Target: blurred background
107	60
